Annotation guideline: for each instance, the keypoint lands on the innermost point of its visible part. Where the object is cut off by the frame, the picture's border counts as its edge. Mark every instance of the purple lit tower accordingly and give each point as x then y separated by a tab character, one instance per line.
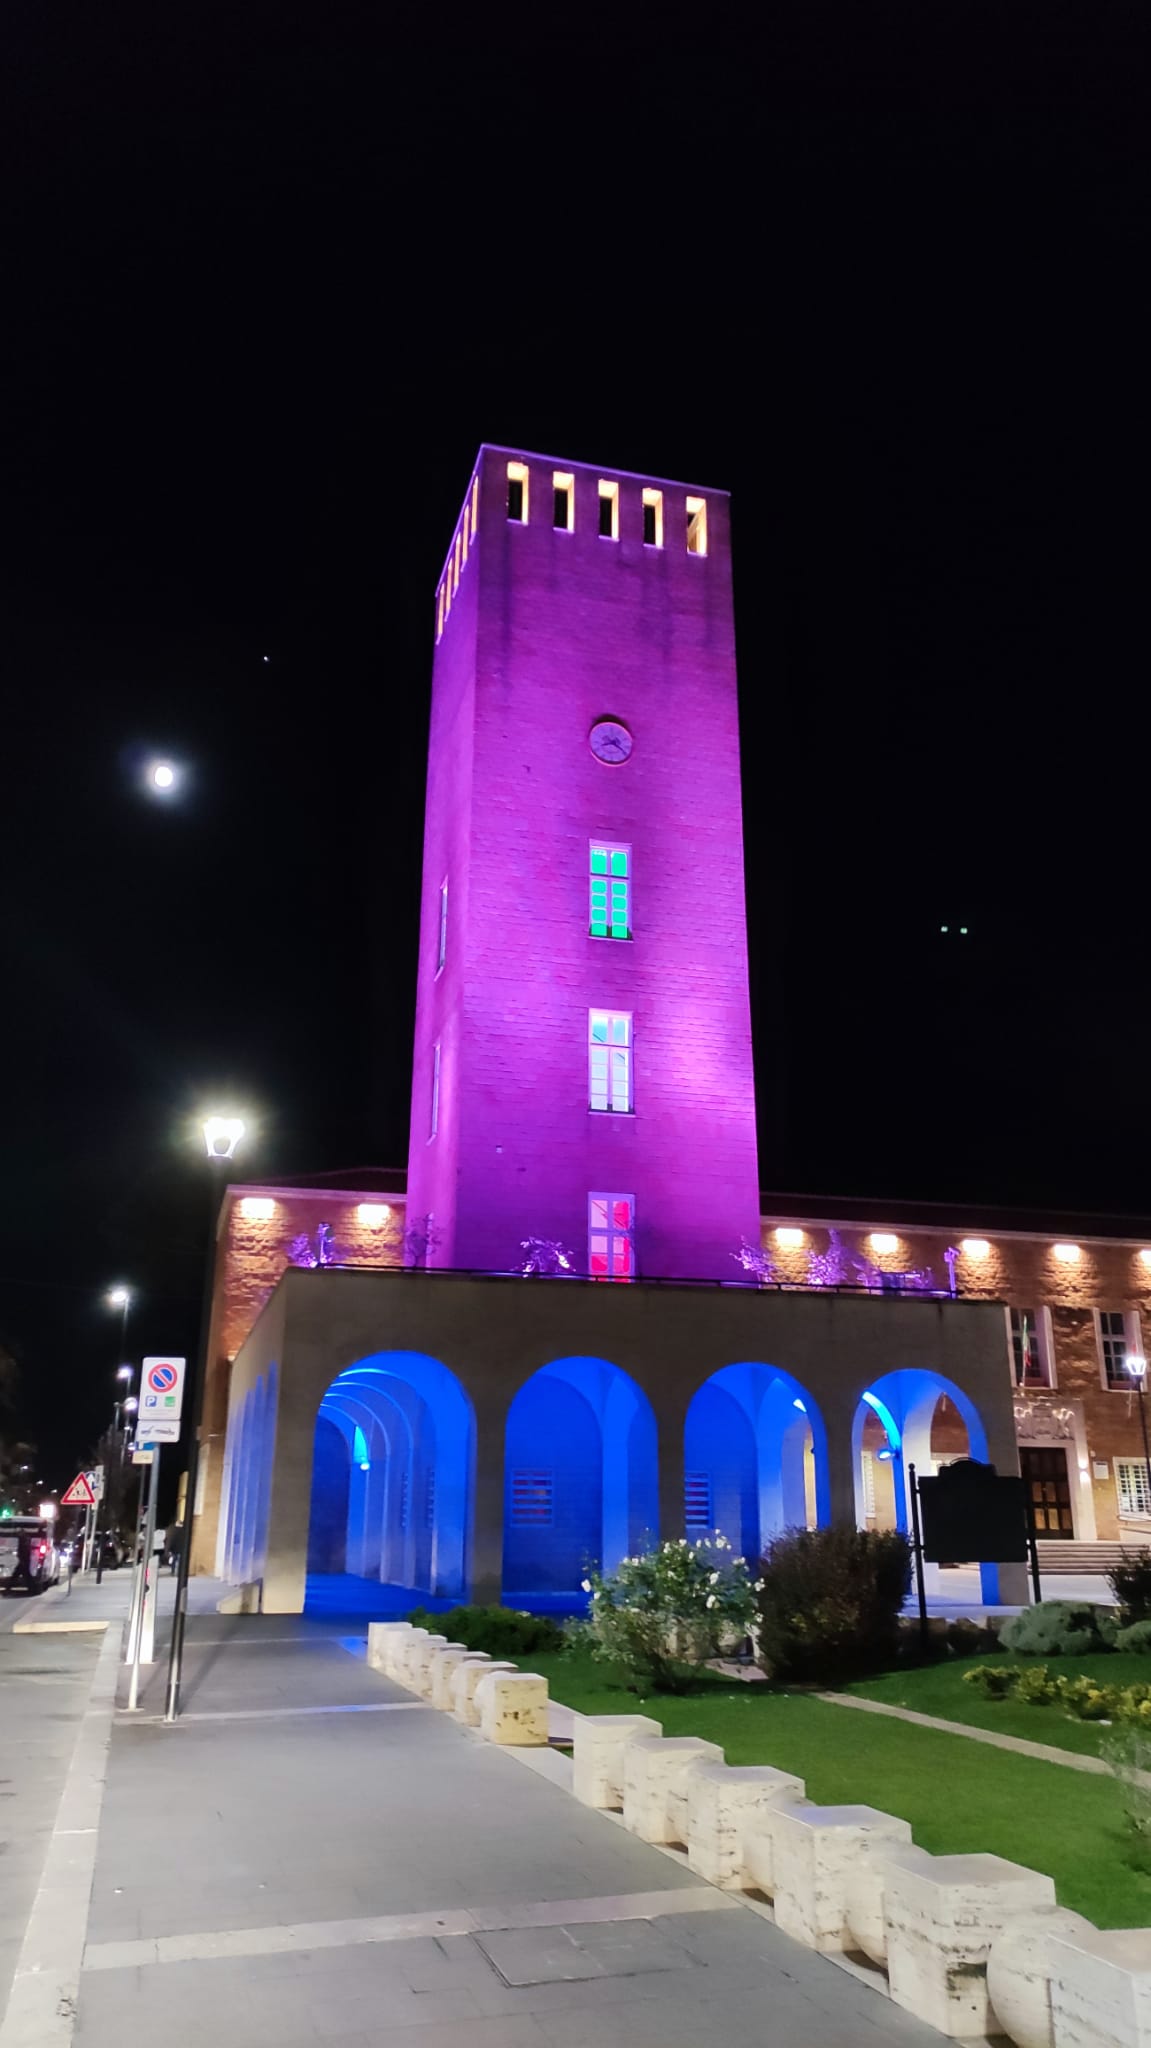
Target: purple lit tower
583	1063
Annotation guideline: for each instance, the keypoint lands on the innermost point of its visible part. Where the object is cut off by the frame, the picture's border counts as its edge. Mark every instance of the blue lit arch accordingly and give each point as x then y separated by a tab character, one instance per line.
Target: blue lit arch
755	1457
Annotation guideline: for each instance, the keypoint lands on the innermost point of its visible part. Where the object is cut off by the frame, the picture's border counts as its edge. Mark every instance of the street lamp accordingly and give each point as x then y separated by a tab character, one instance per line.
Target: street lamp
1137	1367
221	1134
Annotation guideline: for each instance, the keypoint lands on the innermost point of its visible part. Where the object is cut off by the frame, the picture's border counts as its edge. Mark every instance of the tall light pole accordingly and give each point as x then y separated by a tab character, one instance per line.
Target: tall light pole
119	1297
1137	1367
222	1134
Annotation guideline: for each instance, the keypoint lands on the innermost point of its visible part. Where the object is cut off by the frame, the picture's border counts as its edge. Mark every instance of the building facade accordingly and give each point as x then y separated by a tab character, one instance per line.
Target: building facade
420	1383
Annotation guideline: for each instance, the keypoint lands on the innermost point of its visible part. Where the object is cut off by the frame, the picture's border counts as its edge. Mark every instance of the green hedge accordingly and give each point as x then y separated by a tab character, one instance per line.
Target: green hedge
502	1631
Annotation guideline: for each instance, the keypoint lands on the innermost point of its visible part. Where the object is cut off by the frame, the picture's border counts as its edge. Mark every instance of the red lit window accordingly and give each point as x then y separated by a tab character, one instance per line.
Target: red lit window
611	1237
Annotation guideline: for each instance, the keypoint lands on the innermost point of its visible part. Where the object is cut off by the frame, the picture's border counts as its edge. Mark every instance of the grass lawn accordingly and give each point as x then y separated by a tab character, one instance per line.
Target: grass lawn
940	1689
959	1796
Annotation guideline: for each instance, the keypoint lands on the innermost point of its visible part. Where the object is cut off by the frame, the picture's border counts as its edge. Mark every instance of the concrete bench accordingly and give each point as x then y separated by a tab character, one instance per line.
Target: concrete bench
598	1744
942	1914
653	1767
815	1850
513	1708
724	1805
464	1680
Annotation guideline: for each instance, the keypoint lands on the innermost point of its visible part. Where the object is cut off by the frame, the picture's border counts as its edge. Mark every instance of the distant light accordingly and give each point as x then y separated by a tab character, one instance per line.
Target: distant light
373	1215
1068	1253
884	1454
787	1236
222	1134
130	1405
963	931
974	1247
883	1241
119	1297
162	776
267	657
365	1465
945	927
1137	1367
47	1510
257	1208
123	1372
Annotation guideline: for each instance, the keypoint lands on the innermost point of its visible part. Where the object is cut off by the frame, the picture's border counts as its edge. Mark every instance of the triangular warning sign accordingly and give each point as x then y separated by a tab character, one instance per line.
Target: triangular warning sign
79	1494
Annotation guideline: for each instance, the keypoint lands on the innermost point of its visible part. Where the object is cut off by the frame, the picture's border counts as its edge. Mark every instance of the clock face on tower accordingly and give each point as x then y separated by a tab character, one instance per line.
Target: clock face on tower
610	741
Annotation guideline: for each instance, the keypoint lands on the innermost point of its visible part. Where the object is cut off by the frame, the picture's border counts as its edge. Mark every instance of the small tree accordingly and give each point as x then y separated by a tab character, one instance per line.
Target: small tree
663	1614
1131	1584
830	1601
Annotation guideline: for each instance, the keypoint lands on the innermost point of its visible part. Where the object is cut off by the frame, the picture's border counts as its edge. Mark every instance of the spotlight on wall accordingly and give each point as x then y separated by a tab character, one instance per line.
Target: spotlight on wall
788	1237
883	1241
257	1208
373	1215
1068	1254
974	1247
365	1464
884	1455
1145	1255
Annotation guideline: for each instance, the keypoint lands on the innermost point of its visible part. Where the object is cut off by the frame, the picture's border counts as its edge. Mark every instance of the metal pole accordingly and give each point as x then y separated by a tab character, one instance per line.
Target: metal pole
146	1482
917	1547
147	1589
195	1406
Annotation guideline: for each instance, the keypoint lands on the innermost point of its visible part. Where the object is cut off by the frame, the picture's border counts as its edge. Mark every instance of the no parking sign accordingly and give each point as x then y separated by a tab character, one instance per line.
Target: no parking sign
161	1400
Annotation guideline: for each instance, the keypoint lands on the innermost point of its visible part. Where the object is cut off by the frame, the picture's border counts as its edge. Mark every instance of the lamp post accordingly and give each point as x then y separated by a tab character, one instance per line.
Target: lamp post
1137	1367
222	1134
122	1298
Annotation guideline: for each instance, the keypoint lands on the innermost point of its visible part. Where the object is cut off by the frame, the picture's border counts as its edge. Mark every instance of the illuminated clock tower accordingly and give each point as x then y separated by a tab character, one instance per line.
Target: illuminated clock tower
583	1063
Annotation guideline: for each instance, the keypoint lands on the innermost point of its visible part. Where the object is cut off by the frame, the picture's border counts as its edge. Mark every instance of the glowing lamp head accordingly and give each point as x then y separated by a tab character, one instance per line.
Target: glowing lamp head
974	1247
131	1405
257	1208
1067	1254
1136	1365
883	1241
222	1134
788	1238
123	1372
119	1297
373	1215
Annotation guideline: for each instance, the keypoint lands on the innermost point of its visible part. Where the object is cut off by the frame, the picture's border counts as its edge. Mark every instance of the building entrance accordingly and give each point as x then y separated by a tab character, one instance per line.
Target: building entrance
1048	1488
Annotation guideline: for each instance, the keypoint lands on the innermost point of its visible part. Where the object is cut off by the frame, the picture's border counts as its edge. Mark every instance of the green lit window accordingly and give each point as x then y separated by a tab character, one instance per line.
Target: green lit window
609	1061
610	882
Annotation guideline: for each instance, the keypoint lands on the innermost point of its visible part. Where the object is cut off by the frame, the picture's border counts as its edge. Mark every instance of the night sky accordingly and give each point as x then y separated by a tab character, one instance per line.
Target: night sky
271	274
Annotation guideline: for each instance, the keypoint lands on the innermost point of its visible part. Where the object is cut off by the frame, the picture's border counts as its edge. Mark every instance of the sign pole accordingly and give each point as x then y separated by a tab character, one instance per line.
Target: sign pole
917	1546
144	1616
147	1480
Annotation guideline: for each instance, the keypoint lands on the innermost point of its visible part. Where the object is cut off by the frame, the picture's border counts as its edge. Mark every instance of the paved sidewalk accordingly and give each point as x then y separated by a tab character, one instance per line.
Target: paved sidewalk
314	1856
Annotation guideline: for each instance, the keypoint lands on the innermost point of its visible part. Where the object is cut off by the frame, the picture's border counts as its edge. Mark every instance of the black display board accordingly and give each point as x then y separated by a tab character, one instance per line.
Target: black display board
970	1513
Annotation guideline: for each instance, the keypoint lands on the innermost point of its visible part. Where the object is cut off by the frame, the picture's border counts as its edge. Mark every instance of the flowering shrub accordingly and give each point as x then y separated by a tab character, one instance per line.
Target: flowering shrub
663	1614
995	1681
1086	1699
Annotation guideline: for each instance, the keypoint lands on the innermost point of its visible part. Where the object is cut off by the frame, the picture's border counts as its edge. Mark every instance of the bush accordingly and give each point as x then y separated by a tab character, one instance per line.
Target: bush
830	1601
994	1681
1036	1688
1137	1637
1131	1585
502	1631
967	1638
663	1614
1060	1628
1088	1700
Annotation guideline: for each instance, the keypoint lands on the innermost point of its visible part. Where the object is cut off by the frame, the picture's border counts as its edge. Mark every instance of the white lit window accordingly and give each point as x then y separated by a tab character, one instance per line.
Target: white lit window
611	1237
697	526
1031	1355
1134	1486
653	519
609	1060
518	493
563	501
1119	1335
434	1106
610	885
442	947
608	511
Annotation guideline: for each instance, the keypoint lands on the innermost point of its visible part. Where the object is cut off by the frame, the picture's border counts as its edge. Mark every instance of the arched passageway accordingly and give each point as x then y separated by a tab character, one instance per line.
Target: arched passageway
580	1480
392	1473
912	1418
755	1458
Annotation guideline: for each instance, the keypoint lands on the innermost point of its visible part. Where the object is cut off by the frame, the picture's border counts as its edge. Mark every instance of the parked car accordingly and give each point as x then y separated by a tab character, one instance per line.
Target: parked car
28	1555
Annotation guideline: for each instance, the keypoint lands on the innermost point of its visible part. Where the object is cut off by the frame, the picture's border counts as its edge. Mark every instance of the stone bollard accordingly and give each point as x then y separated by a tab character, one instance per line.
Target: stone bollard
653	1765
465	1679
724	1805
428	1686
1101	1988
866	1896
513	1708
404	1648
444	1665
941	1918
417	1657
598	1744
814	1851
1020	1969
382	1637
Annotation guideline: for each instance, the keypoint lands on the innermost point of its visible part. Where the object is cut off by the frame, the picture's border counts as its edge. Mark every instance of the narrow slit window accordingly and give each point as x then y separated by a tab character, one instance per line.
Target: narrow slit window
475	503
439	611
697	526
608	511
518	493
456	560
609	1062
434	1105
464	535
653	519
609	882
563	502
442	946
611	1237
